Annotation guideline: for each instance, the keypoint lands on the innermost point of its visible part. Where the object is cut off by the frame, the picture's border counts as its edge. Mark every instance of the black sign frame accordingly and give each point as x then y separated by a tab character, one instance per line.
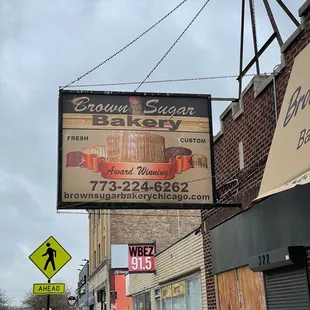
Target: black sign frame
62	205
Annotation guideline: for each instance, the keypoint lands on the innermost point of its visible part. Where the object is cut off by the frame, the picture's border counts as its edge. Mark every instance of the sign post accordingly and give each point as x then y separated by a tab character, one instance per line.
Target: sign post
48	298
49	258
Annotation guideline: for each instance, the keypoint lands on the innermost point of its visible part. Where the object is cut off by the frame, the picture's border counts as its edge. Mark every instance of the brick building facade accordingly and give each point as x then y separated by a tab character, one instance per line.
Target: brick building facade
241	148
164	226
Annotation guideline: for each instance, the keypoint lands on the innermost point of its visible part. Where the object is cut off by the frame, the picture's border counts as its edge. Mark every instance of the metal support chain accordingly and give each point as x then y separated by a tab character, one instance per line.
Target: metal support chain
273	22
125	47
254	33
173	45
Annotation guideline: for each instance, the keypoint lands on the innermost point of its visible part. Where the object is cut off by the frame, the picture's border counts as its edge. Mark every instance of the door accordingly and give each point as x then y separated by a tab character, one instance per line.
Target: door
287	288
240	289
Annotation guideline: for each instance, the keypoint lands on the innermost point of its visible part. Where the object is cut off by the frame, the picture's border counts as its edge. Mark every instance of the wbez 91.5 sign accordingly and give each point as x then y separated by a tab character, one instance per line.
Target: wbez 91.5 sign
141	257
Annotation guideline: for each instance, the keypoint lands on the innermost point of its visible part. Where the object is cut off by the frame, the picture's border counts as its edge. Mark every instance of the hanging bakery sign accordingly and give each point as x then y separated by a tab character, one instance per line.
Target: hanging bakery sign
125	148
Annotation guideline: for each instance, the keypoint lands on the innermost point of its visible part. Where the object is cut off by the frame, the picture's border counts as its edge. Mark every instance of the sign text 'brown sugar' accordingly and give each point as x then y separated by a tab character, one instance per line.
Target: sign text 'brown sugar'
152	106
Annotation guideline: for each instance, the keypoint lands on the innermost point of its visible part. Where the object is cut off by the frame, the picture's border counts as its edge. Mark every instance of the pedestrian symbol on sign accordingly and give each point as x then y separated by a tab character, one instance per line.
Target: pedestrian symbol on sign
50	257
50	252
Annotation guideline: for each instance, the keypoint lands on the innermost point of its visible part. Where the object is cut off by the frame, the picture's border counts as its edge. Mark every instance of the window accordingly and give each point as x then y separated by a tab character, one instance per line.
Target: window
135	301
166	295
178	303
99	252
148	301
166	303
193	294
95	259
181	295
157	304
178	296
142	301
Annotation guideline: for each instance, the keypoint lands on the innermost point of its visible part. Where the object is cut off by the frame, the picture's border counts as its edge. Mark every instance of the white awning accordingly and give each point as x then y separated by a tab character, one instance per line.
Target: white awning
300	180
288	161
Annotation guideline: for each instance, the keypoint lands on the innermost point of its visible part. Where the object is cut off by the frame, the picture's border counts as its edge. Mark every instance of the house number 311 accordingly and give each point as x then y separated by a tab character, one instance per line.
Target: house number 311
263	259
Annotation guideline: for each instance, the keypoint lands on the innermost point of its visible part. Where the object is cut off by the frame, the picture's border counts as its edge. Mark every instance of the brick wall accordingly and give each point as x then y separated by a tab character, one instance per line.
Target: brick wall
164	226
255	128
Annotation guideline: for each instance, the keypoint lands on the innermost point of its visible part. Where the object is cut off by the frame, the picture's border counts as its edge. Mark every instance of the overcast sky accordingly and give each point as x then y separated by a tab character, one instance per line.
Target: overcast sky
45	44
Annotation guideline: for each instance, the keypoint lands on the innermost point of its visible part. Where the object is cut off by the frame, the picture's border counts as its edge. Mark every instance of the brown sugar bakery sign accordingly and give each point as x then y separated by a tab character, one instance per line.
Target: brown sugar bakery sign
134	148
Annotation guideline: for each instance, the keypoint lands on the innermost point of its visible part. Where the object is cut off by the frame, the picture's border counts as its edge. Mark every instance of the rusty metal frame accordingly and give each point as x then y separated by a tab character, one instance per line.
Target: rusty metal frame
276	35
259	53
241	46
288	12
254	35
273	22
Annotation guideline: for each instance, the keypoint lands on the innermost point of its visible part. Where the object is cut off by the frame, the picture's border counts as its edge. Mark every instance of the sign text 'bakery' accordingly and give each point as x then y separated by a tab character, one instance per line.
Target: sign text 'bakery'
136	147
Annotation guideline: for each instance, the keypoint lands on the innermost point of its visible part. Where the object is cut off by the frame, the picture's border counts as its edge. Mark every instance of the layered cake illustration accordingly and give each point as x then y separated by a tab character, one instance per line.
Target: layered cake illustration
136	155
139	147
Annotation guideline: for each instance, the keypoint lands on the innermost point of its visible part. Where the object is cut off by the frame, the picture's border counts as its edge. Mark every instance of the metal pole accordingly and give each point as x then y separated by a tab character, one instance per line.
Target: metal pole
273	22
252	11
288	12
275	94
223	99
241	47
48	299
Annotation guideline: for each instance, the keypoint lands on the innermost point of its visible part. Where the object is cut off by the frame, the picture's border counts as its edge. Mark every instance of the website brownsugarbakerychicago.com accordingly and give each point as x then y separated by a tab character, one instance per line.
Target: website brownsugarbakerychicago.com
134	196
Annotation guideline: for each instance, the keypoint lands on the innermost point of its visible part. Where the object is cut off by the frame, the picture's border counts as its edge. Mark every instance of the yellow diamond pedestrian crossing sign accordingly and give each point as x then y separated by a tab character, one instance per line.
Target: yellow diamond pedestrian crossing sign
50	257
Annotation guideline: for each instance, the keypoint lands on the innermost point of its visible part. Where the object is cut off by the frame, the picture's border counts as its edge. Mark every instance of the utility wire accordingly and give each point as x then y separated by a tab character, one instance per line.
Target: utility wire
169	80
173	45
126	46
